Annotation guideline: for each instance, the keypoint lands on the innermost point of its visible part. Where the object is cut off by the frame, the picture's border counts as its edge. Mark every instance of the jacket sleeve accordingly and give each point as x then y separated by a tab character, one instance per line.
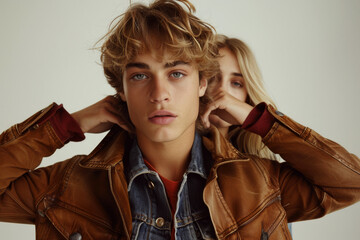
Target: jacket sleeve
332	174
22	148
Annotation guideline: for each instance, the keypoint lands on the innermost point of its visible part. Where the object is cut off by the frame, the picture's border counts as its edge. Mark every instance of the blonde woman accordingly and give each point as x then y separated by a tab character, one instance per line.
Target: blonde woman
239	85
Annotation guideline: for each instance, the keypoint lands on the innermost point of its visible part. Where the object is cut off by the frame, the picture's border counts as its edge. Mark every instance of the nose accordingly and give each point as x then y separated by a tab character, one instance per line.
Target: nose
159	90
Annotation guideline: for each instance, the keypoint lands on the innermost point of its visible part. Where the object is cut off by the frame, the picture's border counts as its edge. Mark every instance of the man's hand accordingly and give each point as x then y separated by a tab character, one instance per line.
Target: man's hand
226	107
100	116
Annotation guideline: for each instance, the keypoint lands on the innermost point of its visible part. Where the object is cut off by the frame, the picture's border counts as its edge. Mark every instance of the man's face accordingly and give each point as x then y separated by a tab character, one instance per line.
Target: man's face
162	97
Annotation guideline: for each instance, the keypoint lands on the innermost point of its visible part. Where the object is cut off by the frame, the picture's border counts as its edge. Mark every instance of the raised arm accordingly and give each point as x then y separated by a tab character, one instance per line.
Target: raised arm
24	145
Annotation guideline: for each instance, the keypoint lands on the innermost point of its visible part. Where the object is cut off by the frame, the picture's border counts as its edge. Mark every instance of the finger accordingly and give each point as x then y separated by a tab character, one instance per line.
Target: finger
117	116
108	119
205	117
116	120
220	93
113	100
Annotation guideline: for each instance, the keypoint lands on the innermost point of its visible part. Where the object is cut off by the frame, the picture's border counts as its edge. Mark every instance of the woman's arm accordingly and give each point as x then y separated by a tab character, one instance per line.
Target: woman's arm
328	172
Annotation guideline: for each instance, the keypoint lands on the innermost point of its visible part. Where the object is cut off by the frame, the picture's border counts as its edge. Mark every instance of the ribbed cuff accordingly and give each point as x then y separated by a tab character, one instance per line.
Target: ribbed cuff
65	126
259	120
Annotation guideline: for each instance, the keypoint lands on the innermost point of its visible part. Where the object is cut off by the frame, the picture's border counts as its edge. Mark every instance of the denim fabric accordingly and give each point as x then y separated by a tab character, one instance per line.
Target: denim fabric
151	214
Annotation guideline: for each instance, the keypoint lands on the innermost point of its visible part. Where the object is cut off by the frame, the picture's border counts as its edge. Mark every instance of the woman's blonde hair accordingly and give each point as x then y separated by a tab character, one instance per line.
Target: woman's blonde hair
166	25
245	141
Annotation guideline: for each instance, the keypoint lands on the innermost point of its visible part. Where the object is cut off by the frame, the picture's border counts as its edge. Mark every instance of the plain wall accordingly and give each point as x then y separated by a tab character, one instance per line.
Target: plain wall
308	52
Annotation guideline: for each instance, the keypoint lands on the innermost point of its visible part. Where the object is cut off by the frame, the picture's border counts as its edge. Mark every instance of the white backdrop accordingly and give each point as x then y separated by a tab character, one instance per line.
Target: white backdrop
308	51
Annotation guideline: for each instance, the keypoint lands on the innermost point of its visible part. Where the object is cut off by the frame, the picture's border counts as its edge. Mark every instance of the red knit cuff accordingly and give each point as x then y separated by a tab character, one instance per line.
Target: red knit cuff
65	126
49	114
259	120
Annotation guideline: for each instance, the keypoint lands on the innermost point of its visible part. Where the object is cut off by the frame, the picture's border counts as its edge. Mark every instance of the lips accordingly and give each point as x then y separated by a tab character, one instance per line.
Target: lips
162	117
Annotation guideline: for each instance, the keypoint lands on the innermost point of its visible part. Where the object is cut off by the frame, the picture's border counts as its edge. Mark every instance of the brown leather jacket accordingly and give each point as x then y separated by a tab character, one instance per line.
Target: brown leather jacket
85	197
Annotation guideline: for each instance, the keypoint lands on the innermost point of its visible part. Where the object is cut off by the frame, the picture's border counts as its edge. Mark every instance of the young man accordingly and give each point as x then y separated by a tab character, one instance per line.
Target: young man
160	179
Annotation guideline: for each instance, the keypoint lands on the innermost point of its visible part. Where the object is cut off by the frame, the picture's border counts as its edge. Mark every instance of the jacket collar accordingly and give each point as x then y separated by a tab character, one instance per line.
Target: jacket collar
135	166
220	148
111	150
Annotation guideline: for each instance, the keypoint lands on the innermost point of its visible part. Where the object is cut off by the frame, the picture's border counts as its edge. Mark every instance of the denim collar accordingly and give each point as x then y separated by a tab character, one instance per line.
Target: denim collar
135	166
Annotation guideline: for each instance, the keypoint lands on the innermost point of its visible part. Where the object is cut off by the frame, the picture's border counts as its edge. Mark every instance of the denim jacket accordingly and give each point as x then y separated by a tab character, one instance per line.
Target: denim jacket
151	214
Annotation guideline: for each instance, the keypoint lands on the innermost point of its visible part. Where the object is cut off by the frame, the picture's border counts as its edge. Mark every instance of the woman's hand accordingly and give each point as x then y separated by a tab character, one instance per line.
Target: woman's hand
100	116
227	108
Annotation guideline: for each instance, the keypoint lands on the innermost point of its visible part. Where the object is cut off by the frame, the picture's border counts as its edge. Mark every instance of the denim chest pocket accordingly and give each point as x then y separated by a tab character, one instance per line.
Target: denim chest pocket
137	230
198	229
150	228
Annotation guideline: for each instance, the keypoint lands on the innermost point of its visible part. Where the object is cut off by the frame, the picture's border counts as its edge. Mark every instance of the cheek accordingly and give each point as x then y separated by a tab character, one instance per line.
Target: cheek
189	99
240	94
243	95
135	106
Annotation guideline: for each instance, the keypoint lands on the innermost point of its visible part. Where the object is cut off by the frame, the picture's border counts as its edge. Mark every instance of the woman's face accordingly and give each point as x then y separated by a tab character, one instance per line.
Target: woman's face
230	81
230	78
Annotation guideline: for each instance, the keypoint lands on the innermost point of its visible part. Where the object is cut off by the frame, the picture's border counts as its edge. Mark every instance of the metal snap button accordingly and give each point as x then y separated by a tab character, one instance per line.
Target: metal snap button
151	185
279	113
75	236
160	222
41	213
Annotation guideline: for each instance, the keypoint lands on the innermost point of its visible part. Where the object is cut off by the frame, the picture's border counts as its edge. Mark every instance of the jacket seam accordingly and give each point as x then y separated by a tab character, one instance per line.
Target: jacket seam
23	207
61	229
285	233
15	131
270	199
55	189
83	213
238	224
262	169
283	120
313	187
65	179
339	159
276	224
271	132
305	138
230	229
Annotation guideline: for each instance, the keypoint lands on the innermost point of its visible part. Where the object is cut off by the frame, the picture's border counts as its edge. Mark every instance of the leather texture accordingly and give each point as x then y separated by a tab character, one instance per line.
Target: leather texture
85	197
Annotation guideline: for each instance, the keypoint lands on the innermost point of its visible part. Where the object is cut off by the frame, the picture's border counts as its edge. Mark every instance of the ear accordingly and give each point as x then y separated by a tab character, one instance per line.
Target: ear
203	86
122	96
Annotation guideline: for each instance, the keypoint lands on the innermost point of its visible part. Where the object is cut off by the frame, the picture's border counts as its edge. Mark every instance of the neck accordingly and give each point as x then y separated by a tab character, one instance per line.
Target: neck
170	158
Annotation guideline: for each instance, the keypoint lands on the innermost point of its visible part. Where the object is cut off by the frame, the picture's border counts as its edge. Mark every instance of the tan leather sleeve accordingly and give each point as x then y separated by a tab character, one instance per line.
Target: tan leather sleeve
332	174
22	148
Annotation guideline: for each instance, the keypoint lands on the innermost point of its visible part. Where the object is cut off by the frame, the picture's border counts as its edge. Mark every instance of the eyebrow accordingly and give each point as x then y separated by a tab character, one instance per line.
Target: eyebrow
137	65
237	74
175	63
145	66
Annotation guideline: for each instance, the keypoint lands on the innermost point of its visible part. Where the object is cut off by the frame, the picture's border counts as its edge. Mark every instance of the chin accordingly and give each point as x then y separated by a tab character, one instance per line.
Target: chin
162	135
166	133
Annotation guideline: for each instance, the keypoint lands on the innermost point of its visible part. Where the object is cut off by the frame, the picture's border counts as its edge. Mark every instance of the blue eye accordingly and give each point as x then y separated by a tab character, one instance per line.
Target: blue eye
139	76
177	75
237	84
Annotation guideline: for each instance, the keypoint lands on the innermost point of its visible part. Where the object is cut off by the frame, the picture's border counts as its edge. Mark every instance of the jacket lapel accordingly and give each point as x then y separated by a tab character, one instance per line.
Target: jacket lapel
108	155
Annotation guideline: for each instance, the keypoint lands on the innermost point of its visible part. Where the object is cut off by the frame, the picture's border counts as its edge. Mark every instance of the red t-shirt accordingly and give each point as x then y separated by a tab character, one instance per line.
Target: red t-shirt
172	189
